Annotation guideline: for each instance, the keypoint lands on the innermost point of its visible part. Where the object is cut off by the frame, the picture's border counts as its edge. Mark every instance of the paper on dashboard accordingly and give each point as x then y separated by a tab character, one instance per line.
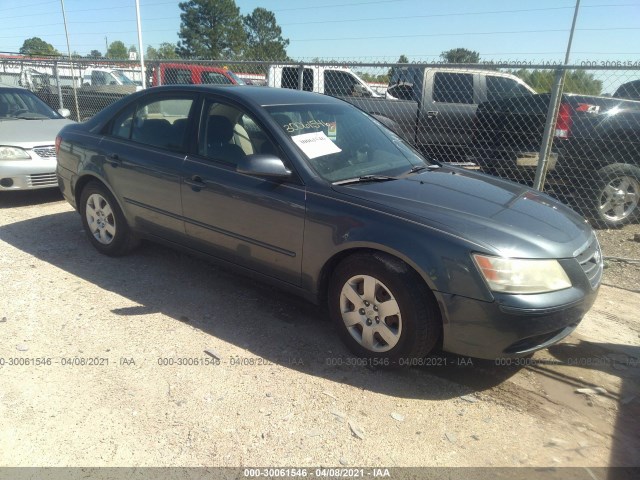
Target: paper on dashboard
315	144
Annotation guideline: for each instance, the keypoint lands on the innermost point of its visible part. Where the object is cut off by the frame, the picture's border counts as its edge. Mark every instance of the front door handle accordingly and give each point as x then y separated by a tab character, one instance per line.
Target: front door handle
196	183
432	113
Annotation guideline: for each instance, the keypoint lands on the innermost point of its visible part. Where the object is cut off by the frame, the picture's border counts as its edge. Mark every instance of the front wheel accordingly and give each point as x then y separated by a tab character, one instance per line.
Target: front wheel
617	195
104	222
383	309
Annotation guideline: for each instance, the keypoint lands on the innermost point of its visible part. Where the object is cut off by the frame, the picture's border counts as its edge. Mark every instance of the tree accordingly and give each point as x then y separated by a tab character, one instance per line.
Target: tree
211	29
118	50
460	55
264	36
576	81
166	51
401	59
94	54
37	46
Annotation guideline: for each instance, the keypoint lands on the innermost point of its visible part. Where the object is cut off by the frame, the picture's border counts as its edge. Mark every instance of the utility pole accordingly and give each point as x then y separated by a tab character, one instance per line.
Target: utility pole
73	75
142	72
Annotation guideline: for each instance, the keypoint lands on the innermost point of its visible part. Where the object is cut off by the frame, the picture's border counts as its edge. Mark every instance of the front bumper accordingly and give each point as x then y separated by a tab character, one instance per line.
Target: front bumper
493	330
28	174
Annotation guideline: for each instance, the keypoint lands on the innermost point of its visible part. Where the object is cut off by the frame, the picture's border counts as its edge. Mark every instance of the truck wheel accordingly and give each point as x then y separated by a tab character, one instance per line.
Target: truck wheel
617	195
104	222
383	309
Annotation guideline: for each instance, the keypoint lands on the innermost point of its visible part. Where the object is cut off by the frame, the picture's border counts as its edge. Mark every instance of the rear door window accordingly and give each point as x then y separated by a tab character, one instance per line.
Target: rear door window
158	123
290	78
498	87
177	76
449	87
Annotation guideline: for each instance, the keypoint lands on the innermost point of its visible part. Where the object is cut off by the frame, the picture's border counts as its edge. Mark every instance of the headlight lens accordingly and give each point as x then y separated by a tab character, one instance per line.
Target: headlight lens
13	153
514	275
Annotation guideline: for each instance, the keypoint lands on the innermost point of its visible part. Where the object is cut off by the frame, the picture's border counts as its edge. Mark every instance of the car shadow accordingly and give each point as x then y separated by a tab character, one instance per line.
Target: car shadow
622	361
269	323
24	198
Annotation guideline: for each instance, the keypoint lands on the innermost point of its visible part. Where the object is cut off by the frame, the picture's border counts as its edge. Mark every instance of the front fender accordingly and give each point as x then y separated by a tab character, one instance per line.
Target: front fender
442	260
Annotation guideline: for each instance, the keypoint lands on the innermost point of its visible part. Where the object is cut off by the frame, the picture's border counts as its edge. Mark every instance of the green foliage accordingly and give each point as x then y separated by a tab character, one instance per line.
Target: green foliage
117	50
166	51
133	48
264	36
576	81
371	78
460	55
403	59
94	54
37	46
211	29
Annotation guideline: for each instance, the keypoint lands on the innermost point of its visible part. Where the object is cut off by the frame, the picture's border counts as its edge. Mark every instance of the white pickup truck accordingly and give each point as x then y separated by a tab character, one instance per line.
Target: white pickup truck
334	81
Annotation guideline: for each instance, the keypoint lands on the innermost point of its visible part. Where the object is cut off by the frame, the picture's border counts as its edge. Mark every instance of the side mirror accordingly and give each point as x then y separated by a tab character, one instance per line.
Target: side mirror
64	112
263	166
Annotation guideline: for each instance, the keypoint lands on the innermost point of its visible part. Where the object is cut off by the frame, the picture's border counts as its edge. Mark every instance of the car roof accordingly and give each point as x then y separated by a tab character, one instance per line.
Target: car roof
16	87
263	96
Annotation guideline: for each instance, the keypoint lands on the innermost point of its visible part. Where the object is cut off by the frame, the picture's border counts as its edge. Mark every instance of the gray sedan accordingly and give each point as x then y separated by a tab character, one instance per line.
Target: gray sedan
28	128
308	192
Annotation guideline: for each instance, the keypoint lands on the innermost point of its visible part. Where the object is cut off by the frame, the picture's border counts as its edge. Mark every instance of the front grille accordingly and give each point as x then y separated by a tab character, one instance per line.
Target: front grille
43	179
590	259
45	152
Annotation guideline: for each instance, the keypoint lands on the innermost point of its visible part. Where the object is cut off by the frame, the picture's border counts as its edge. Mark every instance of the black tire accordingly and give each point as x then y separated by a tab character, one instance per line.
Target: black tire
114	237
419	318
626	178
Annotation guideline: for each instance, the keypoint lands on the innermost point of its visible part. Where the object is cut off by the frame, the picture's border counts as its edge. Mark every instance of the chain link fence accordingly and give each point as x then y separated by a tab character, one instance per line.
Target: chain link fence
571	131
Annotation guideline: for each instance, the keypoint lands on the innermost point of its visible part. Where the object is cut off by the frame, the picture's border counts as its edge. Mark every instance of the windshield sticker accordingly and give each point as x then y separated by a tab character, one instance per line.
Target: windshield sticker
315	144
295	126
332	131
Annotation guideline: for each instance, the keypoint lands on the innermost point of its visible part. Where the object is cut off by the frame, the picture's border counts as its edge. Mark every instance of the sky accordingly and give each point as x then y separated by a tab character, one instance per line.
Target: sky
359	30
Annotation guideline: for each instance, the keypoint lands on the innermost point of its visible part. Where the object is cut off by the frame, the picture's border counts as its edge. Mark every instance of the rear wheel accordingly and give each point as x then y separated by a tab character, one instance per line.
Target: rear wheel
383	309
104	222
618	195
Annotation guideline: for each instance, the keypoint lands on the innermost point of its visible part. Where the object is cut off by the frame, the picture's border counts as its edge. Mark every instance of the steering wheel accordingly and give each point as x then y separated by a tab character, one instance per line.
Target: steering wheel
20	111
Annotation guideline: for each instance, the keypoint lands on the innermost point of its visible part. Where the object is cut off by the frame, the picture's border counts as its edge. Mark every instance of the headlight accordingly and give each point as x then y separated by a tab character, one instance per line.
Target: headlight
13	153
514	275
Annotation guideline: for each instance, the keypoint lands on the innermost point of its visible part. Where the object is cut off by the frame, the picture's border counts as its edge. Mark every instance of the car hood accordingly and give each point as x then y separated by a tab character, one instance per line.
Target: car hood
30	133
503	217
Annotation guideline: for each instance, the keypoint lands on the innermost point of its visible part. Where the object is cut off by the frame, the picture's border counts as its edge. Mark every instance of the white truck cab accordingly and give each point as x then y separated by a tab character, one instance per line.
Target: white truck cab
106	76
330	80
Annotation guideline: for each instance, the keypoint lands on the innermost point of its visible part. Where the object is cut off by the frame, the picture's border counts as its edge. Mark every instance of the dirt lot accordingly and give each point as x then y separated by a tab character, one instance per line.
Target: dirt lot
90	350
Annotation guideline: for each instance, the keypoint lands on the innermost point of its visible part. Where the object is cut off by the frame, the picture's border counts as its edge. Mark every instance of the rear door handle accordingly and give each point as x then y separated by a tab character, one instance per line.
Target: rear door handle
196	183
114	159
432	113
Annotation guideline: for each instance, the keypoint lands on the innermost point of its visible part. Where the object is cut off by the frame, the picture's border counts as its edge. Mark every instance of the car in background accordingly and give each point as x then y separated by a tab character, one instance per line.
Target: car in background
192	74
630	90
28	128
310	193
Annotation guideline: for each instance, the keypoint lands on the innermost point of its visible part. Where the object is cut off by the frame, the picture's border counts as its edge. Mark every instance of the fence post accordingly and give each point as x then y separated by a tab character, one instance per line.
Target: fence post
57	74
549	130
301	76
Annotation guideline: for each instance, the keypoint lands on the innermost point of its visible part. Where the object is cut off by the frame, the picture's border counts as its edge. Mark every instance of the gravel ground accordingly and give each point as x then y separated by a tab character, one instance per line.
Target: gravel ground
621	249
284	392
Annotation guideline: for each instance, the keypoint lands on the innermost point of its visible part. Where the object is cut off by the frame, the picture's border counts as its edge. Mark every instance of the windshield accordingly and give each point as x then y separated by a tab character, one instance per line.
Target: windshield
341	142
22	104
122	77
238	80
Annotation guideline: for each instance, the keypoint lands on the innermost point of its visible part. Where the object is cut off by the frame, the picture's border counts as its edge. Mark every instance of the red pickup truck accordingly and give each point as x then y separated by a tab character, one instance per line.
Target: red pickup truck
191	73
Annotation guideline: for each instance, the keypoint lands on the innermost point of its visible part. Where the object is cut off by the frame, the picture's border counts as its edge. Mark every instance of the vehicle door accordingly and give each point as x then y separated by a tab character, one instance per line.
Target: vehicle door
143	150
449	103
254	222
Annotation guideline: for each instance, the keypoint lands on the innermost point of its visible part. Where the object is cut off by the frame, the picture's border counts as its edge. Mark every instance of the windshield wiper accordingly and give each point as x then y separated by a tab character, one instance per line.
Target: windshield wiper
364	179
419	168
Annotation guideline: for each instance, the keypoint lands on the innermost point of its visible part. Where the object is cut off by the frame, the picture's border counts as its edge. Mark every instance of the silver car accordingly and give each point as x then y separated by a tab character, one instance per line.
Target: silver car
28	128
